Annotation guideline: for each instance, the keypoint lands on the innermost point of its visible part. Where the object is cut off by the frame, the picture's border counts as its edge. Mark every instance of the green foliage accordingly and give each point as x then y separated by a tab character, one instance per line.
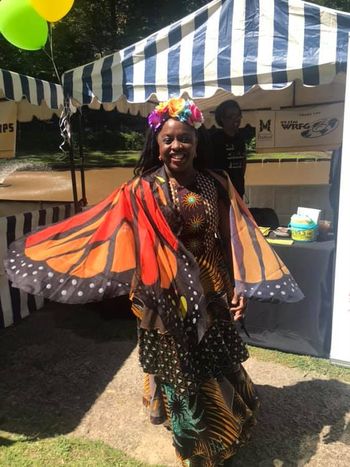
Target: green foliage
107	139
132	141
104	139
251	146
343	5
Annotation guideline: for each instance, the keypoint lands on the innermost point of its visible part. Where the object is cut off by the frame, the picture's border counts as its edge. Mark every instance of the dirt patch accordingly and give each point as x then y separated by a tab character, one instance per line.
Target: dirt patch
74	370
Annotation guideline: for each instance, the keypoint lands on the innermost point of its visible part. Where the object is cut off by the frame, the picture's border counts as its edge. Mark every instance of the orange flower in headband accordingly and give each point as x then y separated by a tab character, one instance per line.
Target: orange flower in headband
183	110
175	106
162	107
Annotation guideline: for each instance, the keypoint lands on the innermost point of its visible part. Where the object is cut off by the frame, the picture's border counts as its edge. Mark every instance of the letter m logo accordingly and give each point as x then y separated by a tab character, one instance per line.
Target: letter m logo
265	125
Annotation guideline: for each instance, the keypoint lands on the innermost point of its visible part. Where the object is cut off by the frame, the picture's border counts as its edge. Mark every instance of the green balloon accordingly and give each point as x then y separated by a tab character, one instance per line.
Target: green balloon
21	25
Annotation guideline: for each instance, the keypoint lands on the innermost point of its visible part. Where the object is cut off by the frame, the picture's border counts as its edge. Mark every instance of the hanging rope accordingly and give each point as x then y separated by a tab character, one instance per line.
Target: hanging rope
66	147
66	114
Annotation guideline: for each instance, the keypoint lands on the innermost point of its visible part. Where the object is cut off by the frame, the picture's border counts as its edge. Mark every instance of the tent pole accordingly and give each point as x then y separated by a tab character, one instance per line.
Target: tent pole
293	93
82	158
73	177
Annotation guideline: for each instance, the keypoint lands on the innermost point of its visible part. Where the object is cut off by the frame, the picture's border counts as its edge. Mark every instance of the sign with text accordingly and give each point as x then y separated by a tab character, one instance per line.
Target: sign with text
8	120
265	130
303	129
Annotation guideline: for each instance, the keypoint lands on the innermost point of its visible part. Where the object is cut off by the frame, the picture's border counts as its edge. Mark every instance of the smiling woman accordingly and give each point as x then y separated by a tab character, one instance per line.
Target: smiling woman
177	150
178	239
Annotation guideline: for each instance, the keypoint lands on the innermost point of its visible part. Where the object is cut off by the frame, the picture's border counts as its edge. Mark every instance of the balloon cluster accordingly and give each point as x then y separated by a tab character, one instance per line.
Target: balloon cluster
24	22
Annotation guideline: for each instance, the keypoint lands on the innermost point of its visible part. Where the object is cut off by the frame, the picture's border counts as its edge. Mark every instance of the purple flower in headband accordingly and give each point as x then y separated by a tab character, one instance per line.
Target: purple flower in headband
155	120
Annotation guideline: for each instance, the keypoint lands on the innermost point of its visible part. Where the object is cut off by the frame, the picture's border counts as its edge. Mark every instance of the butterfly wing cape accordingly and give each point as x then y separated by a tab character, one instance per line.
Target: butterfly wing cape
258	271
124	245
121	246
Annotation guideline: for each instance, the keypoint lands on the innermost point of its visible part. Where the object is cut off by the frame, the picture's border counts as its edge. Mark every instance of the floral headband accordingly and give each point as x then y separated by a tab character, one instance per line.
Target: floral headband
183	110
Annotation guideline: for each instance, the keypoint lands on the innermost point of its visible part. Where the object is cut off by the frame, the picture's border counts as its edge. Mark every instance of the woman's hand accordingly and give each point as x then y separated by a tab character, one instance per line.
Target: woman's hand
238	306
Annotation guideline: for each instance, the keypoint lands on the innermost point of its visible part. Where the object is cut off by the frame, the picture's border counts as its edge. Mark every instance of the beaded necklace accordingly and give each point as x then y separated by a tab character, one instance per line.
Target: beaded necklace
174	195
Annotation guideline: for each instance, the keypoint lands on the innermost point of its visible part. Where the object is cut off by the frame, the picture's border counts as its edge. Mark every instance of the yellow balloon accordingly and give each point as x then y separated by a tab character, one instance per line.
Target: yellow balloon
52	10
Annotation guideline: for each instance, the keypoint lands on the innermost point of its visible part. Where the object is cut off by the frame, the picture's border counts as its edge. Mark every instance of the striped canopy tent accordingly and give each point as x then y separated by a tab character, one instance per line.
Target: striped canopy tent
34	97
244	48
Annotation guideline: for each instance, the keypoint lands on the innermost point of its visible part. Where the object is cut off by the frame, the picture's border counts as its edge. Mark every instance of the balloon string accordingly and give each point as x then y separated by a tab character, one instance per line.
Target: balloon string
66	114
50	55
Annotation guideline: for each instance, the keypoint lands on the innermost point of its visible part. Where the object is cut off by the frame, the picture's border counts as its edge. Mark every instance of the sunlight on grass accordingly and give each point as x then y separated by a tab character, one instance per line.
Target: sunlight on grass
93	159
307	364
20	451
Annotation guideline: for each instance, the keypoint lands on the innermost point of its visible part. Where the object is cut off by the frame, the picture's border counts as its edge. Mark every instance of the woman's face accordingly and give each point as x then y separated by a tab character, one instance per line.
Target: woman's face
177	146
231	119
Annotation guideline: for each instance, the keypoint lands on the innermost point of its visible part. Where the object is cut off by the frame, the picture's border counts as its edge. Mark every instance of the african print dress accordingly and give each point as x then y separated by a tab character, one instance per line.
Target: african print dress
209	408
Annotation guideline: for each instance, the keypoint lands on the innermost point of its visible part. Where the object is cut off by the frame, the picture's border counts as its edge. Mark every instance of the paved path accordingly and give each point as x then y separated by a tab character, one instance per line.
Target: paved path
303	419
57	185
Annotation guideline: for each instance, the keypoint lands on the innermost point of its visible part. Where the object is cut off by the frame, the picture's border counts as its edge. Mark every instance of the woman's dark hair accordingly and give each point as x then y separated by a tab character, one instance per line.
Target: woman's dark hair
149	158
221	109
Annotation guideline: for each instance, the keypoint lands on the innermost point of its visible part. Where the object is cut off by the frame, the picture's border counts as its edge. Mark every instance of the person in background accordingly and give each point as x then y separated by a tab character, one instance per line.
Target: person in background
229	143
181	243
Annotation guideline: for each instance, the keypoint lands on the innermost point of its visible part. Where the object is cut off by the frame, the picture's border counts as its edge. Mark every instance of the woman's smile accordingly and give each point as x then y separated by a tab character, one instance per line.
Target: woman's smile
177	158
177	148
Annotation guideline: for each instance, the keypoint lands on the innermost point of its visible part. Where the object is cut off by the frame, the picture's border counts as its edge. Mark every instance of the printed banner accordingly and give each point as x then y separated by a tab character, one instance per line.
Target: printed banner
316	128
8	121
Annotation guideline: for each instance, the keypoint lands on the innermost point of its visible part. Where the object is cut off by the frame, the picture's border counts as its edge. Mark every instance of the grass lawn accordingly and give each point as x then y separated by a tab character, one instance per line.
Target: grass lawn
20	451
95	159
309	365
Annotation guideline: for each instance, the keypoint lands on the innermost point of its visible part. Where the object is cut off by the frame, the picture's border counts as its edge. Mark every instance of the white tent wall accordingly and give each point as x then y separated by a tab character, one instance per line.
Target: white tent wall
340	348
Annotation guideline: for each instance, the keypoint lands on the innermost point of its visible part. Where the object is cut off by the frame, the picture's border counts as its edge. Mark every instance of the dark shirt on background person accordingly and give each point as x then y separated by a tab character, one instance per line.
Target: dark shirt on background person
229	143
230	155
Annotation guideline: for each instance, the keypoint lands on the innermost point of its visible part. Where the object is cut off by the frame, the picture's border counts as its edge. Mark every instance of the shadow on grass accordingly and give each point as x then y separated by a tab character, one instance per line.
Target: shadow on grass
56	362
292	422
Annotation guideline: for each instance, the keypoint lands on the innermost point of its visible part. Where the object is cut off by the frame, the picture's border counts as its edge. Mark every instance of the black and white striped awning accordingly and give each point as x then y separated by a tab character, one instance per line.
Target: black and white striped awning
34	97
15	87
231	45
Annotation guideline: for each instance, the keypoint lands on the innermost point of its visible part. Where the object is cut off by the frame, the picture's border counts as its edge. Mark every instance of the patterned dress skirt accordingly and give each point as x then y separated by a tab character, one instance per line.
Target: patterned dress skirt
210	406
207	427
